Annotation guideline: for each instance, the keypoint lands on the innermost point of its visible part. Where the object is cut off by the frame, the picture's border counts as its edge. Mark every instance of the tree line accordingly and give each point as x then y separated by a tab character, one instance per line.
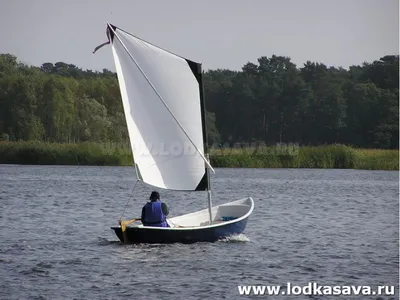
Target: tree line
271	101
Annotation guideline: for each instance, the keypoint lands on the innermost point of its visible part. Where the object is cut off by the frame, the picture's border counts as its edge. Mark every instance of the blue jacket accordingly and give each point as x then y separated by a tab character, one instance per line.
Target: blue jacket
155	213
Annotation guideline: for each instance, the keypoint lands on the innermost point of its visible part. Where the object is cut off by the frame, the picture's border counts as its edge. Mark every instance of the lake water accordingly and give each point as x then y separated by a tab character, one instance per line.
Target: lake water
332	227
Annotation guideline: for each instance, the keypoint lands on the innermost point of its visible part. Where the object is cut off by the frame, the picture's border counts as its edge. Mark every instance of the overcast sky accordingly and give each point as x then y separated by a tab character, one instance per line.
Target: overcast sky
218	33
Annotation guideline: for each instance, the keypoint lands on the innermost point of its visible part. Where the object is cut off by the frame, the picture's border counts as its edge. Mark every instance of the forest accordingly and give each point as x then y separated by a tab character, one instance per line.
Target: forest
270	101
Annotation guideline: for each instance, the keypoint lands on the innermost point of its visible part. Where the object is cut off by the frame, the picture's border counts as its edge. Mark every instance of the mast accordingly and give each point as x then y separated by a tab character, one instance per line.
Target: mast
209	195
205	139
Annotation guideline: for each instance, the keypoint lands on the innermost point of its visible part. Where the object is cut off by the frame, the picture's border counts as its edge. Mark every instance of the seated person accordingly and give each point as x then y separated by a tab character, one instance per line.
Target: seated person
155	212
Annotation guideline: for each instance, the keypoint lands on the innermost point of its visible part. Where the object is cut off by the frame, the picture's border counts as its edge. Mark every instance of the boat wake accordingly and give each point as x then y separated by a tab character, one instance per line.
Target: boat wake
238	238
105	242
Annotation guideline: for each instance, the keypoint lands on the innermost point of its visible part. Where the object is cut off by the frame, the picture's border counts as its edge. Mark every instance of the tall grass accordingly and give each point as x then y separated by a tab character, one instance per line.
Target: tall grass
64	154
376	159
291	156
324	157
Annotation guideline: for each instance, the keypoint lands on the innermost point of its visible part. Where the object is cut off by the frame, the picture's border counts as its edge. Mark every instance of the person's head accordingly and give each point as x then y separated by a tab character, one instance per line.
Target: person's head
154	196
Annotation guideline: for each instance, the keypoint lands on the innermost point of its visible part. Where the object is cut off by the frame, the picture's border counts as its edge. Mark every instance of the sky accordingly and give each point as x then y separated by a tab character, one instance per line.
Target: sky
221	34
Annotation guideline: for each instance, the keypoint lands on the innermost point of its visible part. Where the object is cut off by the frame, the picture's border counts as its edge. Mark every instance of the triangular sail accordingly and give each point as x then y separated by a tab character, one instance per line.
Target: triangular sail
161	94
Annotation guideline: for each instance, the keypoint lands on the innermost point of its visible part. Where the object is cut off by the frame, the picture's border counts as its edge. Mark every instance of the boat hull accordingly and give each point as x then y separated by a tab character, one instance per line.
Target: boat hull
192	234
176	235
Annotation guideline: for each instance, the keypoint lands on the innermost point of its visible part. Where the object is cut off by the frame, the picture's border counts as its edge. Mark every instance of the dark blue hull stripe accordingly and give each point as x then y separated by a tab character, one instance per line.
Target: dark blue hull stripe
136	235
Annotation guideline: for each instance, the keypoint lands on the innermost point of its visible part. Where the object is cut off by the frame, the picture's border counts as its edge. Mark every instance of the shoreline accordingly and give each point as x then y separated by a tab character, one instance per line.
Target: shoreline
278	157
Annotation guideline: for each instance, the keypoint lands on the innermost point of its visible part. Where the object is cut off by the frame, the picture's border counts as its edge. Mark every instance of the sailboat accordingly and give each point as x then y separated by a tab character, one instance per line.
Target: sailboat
163	101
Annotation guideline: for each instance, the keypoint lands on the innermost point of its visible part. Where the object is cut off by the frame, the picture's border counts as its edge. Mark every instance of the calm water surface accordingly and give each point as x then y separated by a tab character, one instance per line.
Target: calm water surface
333	227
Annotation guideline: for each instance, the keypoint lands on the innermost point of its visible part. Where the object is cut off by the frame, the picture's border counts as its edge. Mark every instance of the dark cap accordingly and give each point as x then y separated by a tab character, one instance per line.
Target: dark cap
154	196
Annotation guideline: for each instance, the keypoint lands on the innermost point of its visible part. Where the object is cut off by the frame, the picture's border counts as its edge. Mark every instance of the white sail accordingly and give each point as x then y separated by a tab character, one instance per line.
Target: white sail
161	97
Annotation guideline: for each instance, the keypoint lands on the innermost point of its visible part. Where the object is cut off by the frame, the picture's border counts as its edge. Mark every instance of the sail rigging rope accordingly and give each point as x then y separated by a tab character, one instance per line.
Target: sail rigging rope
144	187
99	46
129	199
105	43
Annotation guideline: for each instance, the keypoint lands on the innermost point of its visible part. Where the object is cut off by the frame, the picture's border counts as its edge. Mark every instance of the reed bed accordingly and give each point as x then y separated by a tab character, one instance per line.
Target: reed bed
288	156
41	153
